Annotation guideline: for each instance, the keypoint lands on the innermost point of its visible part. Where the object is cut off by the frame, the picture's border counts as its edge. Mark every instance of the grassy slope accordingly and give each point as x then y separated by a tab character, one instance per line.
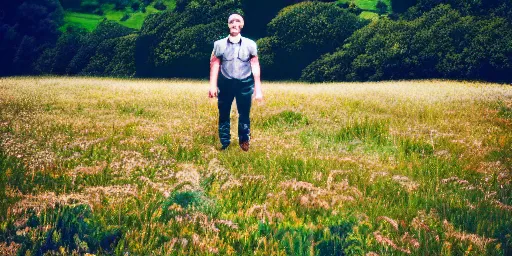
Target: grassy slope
90	21
418	167
367	5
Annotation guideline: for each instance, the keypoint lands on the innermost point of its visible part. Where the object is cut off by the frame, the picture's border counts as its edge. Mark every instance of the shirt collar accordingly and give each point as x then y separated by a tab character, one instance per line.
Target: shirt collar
235	39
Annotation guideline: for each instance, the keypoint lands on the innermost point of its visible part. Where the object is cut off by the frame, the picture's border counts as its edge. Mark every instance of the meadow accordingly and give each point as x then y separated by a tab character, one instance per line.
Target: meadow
89	21
367	5
117	166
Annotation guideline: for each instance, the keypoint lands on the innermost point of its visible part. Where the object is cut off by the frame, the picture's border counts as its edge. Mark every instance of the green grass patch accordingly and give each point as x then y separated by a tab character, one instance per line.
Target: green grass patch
286	118
505	111
90	21
369	15
84	20
363	130
367	5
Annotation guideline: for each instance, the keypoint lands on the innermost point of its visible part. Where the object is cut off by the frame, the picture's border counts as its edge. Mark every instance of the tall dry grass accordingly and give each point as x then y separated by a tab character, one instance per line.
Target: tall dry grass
115	166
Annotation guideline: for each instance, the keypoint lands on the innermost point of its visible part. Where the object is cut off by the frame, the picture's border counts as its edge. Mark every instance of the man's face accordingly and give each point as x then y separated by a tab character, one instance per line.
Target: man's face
235	26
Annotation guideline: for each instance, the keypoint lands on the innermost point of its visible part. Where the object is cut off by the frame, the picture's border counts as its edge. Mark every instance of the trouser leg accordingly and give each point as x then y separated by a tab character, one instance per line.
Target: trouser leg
243	104
225	99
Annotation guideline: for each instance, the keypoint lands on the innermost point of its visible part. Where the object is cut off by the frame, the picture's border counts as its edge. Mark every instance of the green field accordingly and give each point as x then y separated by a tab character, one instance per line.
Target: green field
84	20
367	5
369	15
133	167
90	21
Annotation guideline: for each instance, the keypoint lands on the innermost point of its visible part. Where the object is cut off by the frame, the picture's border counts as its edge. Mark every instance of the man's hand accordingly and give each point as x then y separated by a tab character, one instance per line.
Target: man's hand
213	92
258	96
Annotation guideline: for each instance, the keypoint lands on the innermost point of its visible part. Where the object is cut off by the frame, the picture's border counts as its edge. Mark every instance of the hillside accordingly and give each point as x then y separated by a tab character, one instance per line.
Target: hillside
89	17
132	15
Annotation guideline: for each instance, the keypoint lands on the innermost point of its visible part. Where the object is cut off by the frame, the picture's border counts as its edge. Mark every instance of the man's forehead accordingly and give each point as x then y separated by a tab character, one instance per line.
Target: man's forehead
235	17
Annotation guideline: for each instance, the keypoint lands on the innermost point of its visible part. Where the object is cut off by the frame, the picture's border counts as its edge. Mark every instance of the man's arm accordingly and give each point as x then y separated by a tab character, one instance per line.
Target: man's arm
256	72
214	74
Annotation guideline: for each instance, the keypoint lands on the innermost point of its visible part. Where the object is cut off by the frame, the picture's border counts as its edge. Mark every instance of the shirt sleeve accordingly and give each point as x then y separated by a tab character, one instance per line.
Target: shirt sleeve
217	51
253	49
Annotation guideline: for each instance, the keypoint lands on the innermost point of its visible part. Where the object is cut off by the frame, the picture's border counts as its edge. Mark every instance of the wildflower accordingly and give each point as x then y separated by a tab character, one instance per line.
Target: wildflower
406	183
332	174
391	221
381	239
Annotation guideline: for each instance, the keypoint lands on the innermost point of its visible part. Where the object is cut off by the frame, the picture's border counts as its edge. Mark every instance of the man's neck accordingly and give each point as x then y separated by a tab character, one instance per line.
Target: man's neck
235	39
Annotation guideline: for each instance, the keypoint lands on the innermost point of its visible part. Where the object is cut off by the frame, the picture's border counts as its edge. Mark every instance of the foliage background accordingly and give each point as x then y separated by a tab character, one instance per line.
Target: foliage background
340	40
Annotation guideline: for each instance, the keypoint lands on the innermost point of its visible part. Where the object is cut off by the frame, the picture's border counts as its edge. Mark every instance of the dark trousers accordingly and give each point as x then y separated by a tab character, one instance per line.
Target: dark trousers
241	90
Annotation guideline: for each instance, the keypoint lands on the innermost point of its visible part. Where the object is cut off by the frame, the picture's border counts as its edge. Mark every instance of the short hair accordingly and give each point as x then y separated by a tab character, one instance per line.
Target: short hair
236	15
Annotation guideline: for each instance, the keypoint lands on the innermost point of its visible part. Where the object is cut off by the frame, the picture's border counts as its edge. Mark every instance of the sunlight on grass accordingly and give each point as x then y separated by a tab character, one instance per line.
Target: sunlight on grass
369	15
133	166
90	21
368	5
84	20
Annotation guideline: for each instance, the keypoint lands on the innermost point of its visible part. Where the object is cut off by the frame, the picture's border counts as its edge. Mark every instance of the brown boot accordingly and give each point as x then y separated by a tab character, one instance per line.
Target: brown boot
244	145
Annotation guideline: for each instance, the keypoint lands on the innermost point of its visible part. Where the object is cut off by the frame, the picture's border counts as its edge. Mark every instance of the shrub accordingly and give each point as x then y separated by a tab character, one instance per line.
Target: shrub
27	29
162	35
121	4
188	50
71	4
181	4
105	30
440	44
89	5
98	11
160	6
484	8
100	60
302	33
400	6
259	13
381	7
123	61
125	17
114	57
135	6
56	60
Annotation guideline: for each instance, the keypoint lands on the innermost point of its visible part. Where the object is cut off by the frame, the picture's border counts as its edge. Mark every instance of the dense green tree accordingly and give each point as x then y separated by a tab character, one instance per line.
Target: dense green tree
114	57
89	5
381	7
193	30
400	6
189	50
440	43
123	61
301	33
56	60
105	30
71	4
27	28
96	66
500	8
259	13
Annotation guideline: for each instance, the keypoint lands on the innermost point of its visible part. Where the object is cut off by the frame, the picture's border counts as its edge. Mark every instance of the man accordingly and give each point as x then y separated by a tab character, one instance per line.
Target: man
237	59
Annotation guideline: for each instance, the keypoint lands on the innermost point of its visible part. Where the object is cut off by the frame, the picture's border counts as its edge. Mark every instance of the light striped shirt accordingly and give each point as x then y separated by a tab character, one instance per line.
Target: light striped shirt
235	57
